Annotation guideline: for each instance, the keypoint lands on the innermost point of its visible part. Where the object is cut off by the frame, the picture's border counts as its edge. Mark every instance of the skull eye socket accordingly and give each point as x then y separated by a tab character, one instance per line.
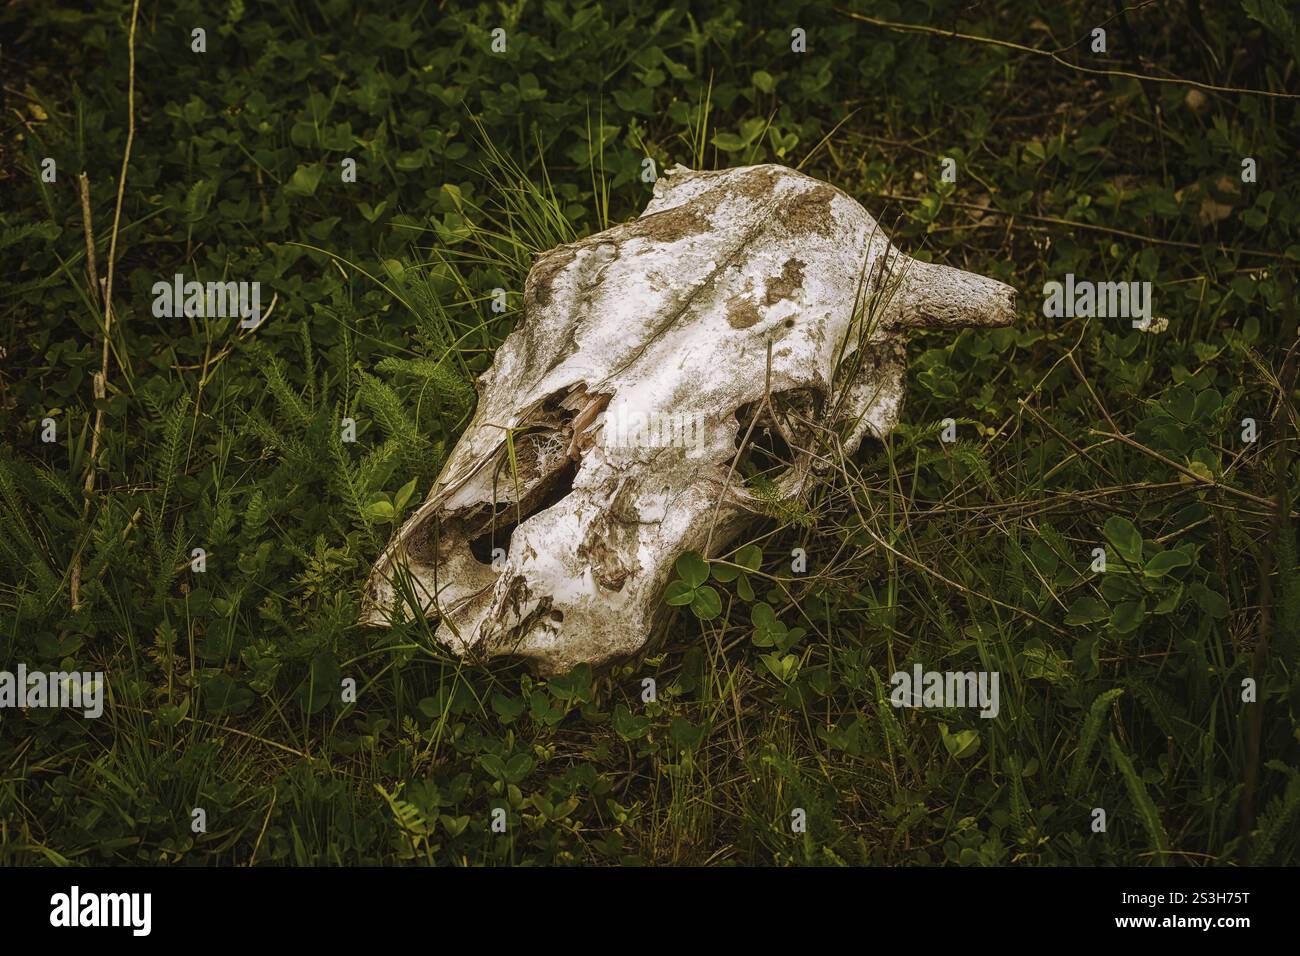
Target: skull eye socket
499	524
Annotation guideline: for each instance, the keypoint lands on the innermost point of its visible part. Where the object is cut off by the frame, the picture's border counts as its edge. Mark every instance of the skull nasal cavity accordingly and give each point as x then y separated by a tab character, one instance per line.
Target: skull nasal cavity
500	526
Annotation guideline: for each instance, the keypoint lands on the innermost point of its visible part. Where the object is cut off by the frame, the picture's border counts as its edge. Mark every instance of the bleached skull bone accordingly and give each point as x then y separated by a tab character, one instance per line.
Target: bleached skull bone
740	304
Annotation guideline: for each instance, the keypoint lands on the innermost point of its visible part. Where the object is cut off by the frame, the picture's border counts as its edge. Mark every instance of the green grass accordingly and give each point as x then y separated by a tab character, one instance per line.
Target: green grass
1120	691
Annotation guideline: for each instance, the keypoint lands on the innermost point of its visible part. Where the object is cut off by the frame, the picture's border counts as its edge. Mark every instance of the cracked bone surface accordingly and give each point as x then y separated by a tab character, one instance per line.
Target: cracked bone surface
753	301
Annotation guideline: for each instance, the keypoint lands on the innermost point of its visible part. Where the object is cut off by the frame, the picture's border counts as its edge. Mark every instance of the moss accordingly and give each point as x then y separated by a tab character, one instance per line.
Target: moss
787	284
672	224
538	286
809	211
742	313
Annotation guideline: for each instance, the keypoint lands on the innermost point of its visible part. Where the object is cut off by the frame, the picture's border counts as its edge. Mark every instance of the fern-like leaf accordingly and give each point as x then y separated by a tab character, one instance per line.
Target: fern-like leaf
1146	809
1088	737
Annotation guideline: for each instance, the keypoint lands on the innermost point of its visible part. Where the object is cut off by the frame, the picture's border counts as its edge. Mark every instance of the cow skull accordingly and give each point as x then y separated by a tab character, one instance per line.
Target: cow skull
740	304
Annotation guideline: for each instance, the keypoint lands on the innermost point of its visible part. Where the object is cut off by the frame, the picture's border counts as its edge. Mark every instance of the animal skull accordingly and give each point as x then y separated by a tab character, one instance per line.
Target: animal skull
607	430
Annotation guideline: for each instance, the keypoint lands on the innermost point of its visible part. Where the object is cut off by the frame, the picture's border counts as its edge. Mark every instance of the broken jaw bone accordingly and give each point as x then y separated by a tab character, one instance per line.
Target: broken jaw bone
753	307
